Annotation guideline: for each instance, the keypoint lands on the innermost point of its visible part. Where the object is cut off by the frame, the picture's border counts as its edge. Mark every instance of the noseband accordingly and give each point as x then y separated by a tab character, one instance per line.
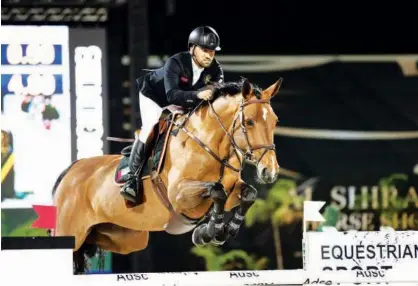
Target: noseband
247	154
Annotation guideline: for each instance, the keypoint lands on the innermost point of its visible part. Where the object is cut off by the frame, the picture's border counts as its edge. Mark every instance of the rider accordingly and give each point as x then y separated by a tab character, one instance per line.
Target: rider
182	81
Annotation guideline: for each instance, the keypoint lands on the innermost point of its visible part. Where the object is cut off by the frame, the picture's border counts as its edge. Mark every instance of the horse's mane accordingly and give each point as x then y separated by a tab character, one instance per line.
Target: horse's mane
227	89
232	89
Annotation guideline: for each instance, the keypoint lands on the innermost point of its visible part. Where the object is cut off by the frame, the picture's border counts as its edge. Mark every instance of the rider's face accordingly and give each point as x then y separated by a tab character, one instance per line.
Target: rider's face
204	57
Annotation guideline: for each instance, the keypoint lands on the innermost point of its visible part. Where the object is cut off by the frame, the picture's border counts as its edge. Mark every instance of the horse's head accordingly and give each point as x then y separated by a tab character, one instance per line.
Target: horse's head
254	130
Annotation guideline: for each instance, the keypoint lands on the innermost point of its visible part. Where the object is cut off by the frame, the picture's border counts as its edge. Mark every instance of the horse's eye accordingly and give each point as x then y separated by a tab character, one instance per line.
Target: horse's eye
249	122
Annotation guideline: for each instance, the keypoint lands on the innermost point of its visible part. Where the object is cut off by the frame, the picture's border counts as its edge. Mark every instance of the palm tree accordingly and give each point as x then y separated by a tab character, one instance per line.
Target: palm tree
282	207
385	185
235	259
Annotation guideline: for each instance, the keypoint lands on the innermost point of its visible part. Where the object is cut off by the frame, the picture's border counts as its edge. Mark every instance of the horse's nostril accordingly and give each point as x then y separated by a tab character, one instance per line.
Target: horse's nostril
264	173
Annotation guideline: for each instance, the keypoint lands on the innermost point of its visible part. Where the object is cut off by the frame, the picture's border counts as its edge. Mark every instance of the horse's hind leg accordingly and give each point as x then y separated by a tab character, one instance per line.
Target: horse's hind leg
118	239
71	224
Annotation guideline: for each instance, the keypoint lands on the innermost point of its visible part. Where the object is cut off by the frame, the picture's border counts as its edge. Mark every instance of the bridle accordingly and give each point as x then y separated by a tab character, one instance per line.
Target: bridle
247	154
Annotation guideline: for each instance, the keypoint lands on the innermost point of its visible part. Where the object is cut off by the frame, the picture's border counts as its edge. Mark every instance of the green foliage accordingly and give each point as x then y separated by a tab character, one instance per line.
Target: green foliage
4	228
389	182
283	216
235	259
385	185
210	254
281	205
257	213
280	195
25	229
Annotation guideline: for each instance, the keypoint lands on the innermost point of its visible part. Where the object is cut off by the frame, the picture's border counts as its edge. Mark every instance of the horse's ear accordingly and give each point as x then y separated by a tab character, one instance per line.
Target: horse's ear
273	89
247	89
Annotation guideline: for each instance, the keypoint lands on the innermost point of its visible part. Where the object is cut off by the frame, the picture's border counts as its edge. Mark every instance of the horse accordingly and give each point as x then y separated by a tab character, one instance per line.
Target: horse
194	181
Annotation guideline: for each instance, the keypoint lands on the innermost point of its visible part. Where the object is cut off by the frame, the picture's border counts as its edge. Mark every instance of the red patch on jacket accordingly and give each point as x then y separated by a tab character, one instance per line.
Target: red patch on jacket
184	79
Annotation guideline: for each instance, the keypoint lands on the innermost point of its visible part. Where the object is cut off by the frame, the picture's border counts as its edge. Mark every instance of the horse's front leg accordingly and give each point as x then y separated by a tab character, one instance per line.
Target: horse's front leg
248	196
241	199
191	194
213	230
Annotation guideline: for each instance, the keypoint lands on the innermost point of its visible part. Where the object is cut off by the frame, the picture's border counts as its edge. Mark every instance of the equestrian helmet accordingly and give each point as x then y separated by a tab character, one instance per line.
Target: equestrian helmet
205	37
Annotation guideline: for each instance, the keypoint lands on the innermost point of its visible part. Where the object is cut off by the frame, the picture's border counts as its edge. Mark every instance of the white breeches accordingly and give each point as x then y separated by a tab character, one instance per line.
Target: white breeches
150	114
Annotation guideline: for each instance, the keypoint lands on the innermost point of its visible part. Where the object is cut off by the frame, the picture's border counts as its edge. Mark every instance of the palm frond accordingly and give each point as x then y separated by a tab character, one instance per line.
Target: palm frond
257	213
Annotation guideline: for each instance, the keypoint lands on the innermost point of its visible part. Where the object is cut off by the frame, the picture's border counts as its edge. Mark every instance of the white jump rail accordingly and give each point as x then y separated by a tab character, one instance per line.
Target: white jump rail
330	258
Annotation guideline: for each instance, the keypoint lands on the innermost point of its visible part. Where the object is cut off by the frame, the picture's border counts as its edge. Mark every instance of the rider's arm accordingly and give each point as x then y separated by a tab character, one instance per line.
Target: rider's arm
172	89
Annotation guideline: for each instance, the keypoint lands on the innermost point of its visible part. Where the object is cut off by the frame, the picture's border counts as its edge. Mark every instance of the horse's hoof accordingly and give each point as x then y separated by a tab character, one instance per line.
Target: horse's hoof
221	236
197	236
215	242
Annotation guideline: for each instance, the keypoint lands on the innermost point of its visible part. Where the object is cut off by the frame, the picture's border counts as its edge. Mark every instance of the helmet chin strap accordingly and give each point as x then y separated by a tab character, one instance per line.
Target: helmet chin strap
194	57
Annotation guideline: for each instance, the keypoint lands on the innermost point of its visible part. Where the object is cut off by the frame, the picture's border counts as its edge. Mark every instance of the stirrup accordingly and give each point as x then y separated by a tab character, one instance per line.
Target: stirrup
128	195
128	189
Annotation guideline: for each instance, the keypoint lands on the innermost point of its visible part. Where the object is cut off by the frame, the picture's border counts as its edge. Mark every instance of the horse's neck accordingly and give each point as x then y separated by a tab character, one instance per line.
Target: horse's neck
208	129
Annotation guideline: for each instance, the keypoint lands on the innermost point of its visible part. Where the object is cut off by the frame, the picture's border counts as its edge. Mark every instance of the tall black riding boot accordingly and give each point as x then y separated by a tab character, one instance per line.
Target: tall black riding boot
136	162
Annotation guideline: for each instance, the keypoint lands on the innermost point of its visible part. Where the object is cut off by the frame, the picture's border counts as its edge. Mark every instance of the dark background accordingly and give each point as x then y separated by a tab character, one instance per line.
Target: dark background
338	95
287	27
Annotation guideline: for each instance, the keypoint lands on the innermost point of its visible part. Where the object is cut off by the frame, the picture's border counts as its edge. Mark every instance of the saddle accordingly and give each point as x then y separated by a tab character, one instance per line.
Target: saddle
155	150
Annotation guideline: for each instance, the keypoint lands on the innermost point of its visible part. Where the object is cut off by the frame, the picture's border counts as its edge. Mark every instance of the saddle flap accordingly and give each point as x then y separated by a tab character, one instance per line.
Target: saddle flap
156	144
163	126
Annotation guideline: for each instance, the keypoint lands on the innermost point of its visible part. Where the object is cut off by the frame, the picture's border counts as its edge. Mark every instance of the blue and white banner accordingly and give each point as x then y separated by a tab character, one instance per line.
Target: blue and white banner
36	113
53	103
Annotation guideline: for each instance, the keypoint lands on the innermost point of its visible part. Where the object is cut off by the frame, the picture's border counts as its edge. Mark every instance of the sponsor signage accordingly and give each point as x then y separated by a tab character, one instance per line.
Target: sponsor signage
370	254
88	67
35	112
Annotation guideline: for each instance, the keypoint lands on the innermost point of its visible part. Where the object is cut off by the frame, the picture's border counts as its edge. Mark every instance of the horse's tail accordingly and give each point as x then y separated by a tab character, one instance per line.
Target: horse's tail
57	182
60	177
80	262
81	258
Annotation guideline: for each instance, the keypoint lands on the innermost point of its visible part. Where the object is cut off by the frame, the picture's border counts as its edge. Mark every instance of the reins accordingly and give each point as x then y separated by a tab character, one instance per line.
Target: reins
247	154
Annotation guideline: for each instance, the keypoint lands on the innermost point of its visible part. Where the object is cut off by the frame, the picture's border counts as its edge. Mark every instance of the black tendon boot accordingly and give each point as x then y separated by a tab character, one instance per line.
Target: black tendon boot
136	162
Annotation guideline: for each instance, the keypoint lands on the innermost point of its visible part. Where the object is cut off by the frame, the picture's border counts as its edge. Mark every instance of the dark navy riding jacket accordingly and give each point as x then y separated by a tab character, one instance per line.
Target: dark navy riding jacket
172	83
